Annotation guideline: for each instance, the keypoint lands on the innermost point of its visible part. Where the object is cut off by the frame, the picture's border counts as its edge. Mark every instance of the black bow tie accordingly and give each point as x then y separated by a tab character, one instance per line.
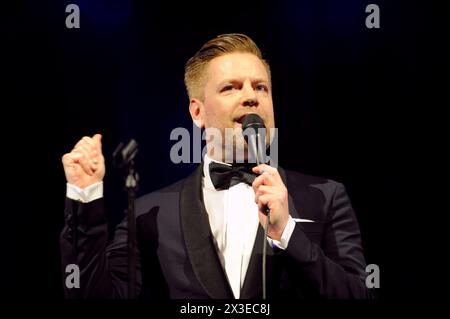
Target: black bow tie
224	176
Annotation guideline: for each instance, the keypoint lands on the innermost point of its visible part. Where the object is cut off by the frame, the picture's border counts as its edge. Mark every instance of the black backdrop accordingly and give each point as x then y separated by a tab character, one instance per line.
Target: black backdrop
350	103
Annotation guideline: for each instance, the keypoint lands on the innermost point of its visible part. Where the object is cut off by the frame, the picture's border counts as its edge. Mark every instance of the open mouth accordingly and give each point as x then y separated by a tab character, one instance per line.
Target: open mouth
239	120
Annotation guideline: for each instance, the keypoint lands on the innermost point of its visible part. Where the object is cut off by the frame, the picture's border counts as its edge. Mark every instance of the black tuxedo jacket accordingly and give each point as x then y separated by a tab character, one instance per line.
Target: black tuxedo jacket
177	257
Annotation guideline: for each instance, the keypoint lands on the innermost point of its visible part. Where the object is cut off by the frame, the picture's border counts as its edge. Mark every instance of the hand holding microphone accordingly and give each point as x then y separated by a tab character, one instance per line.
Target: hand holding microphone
270	192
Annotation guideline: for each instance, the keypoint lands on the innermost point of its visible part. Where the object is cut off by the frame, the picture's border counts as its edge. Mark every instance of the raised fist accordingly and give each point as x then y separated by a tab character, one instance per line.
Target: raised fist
85	164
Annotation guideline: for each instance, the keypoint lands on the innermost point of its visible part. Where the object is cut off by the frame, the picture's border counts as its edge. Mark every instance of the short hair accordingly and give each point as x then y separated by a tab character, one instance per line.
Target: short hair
194	71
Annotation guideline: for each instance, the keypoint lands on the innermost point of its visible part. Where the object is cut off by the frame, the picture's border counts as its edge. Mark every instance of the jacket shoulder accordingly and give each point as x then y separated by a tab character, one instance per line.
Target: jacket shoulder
311	190
301	180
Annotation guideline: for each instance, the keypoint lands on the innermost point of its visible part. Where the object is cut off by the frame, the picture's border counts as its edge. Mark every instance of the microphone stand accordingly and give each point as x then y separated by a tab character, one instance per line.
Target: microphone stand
265	253
256	148
131	187
259	159
123	157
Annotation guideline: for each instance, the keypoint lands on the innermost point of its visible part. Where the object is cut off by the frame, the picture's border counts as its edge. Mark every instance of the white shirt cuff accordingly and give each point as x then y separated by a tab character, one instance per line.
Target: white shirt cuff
89	194
287	233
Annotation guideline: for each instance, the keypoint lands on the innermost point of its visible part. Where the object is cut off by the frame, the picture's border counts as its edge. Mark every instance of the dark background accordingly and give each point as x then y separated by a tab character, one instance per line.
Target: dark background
351	103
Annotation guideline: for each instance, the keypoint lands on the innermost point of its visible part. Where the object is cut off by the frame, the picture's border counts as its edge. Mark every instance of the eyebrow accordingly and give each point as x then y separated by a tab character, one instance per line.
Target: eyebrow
233	80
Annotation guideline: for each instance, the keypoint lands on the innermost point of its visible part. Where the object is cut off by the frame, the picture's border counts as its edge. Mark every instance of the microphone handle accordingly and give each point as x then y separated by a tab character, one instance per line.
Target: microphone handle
257	149
260	148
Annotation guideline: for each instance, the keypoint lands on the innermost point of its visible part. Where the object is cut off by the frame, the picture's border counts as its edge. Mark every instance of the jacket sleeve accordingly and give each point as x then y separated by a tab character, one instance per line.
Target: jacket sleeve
336	267
84	243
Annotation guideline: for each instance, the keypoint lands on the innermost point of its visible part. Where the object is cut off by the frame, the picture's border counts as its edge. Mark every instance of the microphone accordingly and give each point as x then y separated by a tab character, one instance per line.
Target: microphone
254	132
124	155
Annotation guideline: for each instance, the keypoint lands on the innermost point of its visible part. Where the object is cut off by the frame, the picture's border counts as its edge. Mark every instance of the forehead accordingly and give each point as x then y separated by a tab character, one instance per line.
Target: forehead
236	66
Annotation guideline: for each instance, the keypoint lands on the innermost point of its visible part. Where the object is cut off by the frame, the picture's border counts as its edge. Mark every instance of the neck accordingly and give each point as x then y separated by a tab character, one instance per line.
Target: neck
227	156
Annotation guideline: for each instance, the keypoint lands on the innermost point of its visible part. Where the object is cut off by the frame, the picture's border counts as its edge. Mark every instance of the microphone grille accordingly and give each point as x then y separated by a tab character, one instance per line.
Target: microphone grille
252	120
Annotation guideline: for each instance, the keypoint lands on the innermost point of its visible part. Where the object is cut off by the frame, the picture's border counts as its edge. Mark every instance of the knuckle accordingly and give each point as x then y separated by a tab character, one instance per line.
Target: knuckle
86	141
84	146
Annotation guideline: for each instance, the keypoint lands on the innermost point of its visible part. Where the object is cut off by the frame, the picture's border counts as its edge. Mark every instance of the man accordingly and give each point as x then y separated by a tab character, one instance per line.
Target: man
202	237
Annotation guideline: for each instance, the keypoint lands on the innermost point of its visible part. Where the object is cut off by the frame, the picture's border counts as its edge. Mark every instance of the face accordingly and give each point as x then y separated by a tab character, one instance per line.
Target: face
236	84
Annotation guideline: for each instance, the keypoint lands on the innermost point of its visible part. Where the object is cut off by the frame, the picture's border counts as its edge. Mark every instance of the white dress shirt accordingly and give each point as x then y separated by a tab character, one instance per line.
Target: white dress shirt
233	218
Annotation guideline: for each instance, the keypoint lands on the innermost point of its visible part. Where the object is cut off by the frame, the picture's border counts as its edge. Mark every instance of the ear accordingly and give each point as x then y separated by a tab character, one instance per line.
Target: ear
196	110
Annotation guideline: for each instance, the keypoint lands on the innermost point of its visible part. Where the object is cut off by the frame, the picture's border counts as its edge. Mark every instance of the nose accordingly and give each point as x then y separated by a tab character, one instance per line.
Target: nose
249	95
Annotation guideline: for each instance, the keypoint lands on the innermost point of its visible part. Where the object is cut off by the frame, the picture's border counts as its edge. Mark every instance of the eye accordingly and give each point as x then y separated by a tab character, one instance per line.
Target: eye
262	87
228	87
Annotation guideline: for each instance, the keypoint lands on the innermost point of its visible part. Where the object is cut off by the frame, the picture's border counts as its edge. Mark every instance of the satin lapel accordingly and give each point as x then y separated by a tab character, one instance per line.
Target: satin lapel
292	211
252	287
199	239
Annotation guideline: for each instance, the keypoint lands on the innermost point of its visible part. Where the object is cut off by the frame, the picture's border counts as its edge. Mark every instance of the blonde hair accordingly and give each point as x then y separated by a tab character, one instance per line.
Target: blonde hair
194	71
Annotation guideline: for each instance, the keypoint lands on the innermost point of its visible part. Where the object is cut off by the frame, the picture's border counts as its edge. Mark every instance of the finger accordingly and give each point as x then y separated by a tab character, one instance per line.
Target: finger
264	179
89	140
93	145
101	160
90	152
261	168
266	169
87	148
263	202
70	158
84	160
268	195
262	190
86	140
81	141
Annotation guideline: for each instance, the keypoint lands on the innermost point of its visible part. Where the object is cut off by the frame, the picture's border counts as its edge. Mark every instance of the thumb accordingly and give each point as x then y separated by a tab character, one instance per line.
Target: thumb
98	142
97	137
